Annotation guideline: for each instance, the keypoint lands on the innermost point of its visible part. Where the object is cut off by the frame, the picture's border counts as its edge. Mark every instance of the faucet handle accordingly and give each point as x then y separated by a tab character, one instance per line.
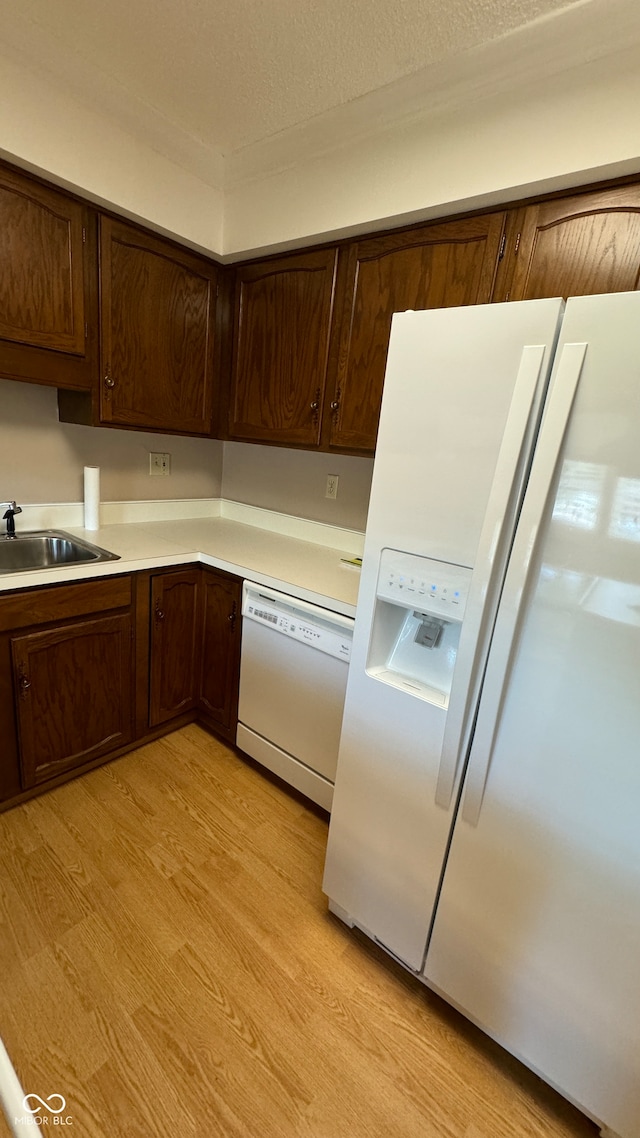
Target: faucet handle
9	517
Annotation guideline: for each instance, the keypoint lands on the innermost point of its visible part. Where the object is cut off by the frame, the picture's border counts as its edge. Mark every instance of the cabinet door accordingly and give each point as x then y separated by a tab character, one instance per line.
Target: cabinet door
220	670
10	779
282	323
435	266
174	644
44	284
73	689
157	312
575	246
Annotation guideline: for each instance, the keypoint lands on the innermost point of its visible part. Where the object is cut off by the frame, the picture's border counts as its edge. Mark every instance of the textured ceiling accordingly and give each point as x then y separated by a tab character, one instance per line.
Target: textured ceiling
225	74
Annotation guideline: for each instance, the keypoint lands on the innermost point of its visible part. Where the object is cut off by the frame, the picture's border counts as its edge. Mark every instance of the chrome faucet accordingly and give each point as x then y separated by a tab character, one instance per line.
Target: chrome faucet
9	516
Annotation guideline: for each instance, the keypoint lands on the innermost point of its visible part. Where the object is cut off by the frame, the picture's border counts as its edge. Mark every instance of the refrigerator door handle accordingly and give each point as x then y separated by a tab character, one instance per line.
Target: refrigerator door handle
504	642
498	522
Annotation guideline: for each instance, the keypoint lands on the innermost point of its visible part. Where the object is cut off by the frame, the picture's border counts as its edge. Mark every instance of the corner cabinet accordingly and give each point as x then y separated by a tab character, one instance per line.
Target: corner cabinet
174	644
573	246
48	285
91	669
66	660
220	658
433	266
194	664
283	311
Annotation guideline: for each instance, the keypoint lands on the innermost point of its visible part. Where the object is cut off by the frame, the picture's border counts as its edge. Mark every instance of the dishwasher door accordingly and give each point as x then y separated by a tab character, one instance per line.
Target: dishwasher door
293	676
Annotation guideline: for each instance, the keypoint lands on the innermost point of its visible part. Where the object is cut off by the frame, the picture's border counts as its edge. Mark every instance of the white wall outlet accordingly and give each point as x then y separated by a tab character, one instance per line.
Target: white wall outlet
159	463
332	486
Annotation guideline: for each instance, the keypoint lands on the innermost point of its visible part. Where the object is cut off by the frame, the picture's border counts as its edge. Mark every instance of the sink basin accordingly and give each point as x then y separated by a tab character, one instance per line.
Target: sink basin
47	549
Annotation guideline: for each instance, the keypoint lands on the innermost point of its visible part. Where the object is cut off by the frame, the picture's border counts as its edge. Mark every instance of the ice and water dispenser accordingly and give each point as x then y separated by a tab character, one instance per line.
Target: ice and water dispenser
419	607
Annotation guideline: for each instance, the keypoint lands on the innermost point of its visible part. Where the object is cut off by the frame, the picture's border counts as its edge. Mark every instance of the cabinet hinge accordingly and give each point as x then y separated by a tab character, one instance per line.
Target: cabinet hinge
217	290
517	244
503	242
86	330
84	235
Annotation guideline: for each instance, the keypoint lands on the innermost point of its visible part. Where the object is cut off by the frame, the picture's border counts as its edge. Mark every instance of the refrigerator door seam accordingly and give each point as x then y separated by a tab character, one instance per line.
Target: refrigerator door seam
498	522
554	428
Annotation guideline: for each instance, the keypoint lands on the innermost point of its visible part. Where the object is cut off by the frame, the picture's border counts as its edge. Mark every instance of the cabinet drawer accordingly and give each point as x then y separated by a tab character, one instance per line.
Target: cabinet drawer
59	602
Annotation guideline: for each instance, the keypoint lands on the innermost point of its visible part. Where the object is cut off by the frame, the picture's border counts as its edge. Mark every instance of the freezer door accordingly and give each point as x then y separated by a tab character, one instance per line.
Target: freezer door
537	930
461	403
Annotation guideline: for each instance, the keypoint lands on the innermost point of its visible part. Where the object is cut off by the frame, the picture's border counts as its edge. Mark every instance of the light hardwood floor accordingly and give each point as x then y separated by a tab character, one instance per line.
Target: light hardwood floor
168	965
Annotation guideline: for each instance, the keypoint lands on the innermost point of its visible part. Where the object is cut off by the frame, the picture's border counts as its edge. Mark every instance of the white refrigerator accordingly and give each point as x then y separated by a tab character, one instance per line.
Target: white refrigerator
486	816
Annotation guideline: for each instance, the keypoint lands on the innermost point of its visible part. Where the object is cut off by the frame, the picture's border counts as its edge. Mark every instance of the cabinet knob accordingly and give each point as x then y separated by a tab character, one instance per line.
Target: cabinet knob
232	615
109	381
315	405
24	684
159	612
335	405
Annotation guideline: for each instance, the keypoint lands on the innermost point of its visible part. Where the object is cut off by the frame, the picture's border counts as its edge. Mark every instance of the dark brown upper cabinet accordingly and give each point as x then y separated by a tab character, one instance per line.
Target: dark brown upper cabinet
573	246
48	287
157	325
282	324
432	266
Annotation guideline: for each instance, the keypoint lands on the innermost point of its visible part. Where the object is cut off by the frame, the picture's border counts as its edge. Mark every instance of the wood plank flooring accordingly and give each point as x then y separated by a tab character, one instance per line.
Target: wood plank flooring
167	963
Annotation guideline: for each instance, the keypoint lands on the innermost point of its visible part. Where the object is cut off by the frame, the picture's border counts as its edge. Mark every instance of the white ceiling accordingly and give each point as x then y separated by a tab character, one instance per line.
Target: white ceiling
206	81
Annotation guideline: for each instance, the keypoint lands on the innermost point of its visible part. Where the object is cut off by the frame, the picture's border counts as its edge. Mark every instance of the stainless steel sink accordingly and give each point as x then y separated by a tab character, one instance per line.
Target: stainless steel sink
47	549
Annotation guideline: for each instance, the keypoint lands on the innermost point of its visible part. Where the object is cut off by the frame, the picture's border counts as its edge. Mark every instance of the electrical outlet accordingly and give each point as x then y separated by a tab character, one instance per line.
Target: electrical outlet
332	486
159	463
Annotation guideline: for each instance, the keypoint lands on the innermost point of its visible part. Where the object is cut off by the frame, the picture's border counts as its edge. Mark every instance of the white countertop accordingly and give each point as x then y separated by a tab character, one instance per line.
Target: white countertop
312	572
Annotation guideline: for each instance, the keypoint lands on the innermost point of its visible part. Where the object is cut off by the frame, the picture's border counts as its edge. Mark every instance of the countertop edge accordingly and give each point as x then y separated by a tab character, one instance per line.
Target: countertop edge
177	552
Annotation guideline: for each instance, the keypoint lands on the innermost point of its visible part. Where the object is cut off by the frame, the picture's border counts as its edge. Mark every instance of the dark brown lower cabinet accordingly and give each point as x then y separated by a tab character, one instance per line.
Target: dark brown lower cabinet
195	647
73	688
175	644
72	675
66	679
220	659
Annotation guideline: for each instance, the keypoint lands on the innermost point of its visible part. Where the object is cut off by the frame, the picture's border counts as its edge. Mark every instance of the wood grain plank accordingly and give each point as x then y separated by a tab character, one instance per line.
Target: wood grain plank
167	912
44	1010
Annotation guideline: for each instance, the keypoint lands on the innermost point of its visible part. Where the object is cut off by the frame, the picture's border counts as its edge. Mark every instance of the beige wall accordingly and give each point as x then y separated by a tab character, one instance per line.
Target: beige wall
46	130
554	131
294	482
42	460
570	129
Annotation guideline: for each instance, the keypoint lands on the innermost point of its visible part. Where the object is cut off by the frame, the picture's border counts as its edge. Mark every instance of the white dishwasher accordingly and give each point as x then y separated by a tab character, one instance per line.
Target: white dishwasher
293	676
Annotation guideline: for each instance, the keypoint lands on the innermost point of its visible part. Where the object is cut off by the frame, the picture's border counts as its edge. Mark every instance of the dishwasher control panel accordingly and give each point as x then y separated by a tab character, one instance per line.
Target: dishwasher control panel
319	629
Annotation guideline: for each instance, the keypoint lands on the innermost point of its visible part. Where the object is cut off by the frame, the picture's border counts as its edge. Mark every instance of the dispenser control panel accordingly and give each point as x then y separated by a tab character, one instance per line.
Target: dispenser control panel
423	583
